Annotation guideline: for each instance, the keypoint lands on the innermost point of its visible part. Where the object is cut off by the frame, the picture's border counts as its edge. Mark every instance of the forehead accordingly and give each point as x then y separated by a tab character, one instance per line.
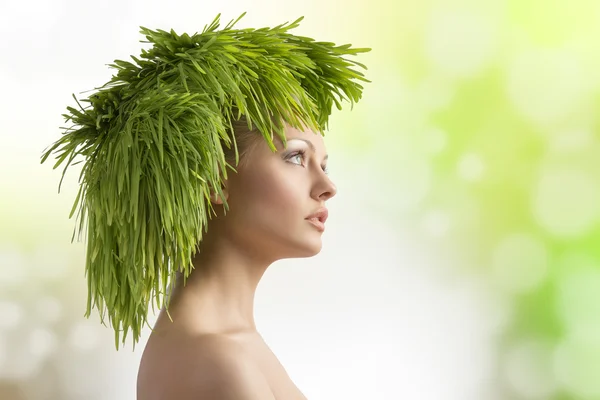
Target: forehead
304	134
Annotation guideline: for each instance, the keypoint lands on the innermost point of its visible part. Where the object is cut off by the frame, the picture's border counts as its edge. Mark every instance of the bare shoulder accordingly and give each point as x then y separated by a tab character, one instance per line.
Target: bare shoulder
207	367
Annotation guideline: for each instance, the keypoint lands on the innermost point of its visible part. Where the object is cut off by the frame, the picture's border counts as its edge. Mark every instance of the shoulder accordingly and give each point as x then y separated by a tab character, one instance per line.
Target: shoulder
207	367
227	373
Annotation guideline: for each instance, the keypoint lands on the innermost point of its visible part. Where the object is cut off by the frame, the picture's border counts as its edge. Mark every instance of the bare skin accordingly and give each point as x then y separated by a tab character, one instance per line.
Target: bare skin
210	347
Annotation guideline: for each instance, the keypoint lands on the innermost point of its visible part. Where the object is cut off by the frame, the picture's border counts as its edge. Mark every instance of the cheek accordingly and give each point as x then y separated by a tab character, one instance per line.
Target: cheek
281	192
277	195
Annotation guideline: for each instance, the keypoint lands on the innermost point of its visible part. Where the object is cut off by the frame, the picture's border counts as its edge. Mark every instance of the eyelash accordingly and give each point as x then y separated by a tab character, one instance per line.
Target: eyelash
302	153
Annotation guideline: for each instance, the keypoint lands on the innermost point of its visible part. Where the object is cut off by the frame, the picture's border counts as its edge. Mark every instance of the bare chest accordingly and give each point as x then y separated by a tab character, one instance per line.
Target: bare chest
163	355
281	384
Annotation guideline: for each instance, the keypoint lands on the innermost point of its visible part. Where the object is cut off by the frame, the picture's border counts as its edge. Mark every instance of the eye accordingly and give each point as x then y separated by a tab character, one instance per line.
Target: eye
300	155
297	155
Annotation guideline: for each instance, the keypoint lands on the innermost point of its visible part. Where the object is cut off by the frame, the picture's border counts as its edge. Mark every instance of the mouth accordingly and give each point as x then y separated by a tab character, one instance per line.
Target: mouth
318	218
317	224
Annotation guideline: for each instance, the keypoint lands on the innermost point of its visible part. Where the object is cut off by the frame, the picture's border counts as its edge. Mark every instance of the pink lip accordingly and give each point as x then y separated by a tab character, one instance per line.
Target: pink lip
318	224
318	218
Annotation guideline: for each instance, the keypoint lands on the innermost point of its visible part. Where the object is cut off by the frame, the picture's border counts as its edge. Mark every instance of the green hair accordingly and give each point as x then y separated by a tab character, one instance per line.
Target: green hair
153	141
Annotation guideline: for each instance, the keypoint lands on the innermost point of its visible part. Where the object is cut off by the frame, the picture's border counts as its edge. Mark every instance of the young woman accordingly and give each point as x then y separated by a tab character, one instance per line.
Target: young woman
210	348
204	164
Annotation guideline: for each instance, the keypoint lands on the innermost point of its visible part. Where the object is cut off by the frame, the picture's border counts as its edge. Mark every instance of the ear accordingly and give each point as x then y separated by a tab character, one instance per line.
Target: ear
217	198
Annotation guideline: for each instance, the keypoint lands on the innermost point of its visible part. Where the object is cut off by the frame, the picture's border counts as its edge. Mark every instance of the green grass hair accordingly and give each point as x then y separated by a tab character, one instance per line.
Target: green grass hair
152	141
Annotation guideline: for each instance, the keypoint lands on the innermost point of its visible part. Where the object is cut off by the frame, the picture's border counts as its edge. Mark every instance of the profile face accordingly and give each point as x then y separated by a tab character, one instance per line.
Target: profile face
273	193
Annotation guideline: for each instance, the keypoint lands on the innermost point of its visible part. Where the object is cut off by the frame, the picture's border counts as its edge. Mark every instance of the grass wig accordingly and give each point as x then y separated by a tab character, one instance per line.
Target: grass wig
153	140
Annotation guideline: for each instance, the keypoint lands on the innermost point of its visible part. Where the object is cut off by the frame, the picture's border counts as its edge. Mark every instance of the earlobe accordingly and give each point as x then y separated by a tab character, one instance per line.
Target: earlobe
216	198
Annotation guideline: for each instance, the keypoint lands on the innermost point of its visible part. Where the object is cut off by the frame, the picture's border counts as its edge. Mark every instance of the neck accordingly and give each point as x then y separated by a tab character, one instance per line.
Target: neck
218	296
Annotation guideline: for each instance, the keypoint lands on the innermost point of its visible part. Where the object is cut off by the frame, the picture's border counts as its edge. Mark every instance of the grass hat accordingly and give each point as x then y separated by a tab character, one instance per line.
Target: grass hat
152	141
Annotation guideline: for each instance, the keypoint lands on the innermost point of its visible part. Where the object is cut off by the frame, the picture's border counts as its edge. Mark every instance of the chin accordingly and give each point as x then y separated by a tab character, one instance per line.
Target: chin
308	249
293	244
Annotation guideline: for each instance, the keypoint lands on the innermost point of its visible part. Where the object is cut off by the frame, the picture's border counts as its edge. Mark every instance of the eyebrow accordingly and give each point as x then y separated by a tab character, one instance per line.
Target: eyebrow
311	145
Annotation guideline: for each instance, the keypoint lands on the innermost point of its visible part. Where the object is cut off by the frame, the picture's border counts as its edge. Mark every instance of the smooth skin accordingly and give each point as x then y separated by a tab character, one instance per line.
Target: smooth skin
210	347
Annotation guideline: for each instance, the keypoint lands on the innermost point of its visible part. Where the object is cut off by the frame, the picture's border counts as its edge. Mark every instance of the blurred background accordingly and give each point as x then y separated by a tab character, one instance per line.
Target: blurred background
462	256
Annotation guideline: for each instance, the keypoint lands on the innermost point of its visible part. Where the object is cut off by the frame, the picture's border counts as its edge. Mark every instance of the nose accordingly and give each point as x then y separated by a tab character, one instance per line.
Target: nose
324	189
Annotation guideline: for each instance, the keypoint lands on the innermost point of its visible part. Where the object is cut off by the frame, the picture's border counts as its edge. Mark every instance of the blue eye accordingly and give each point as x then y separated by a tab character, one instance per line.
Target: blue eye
301	154
297	154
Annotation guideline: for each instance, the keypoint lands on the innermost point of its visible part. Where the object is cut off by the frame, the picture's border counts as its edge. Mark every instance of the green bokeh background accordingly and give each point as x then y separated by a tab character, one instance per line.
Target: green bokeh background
501	100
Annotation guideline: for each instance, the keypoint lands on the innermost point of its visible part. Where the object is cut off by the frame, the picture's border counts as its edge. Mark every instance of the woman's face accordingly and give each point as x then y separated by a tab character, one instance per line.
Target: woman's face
273	193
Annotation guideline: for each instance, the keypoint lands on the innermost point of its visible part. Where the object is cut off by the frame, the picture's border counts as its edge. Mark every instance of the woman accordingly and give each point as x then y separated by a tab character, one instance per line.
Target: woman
210	347
204	164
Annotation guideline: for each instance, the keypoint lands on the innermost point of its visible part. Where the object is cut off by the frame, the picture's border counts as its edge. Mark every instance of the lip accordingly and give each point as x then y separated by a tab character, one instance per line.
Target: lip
321	214
318	224
318	218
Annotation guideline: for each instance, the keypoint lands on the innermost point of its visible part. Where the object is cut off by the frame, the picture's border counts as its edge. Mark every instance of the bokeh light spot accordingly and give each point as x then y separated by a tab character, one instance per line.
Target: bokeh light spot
519	263
471	167
566	201
42	343
84	336
436	223
13	267
50	262
528	369
576	366
48	309
459	42
435	141
571	141
578	298
11	315
547	86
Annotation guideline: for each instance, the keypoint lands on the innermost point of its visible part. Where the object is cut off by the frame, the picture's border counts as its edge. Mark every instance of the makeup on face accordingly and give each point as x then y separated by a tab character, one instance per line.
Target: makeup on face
300	151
